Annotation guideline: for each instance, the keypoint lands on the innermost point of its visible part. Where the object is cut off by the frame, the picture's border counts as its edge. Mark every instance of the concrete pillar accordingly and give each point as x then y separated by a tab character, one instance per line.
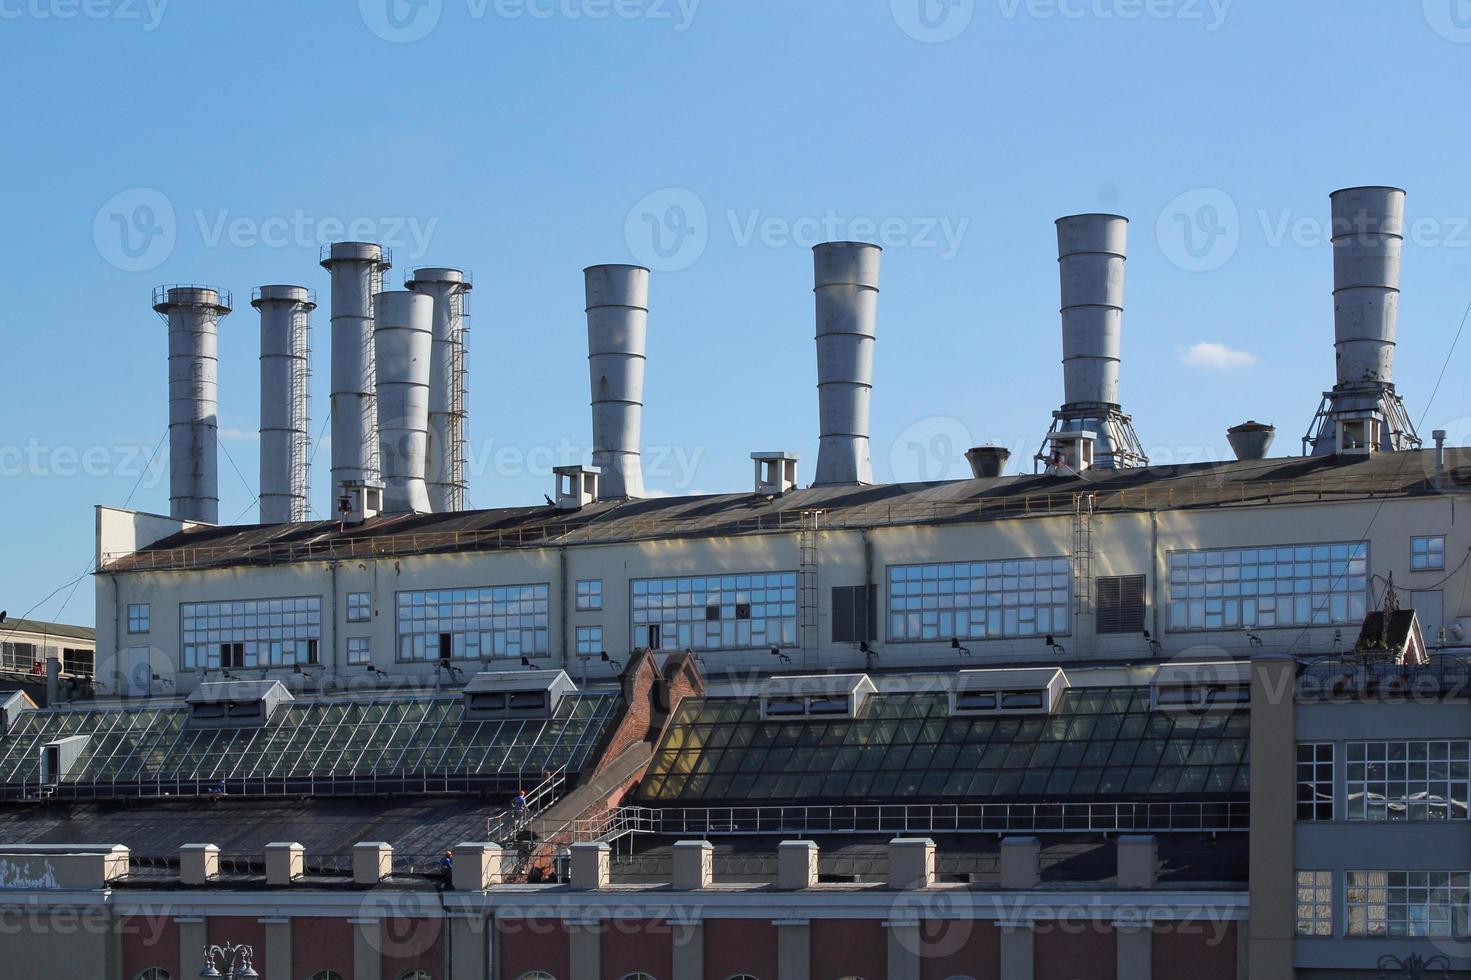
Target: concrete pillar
284	863
591	866
793	948
1021	862
477	866
911	863
689	950
199	864
1018	947
1273	915
1135	947
585	949
467	945
796	865
904	948
1137	854
367	949
694	865
191	944
372	861
278	948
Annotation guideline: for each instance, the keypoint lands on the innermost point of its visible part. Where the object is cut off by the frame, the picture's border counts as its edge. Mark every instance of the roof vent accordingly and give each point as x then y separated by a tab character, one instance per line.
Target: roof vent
235	704
1071	451
1251	440
987	462
507	694
815	697
577	486
1201	687
58	758
776	473
13	704
1018	691
359	501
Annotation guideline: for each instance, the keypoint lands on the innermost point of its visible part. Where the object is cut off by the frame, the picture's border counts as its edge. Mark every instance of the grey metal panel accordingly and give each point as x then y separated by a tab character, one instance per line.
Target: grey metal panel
404	340
193	314
617	330
846	285
285	313
357	274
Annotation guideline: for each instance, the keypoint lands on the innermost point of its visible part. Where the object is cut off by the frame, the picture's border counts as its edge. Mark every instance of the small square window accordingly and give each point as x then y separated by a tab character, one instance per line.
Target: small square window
589	641
589	595
139	617
359	650
1314	903
1427	553
359	607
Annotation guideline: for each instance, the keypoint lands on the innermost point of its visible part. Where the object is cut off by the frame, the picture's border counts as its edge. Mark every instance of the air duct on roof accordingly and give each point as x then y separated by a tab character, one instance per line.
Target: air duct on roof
445	466
617	328
846	276
285	406
1251	440
1092	250
404	337
1363	413
987	462
357	275
193	314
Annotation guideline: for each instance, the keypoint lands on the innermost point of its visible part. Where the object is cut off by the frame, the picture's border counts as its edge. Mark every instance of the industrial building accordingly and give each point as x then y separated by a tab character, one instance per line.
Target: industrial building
1106	720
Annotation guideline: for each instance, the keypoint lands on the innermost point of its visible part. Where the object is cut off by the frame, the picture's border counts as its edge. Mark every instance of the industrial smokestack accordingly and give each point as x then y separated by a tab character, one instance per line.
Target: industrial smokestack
285	350
357	275
1363	412
987	462
846	275
403	334
617	327
1091	252
1251	440
445	465
193	314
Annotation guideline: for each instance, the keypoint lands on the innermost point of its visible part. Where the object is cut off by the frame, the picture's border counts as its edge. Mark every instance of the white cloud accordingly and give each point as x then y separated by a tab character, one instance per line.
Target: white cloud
1215	357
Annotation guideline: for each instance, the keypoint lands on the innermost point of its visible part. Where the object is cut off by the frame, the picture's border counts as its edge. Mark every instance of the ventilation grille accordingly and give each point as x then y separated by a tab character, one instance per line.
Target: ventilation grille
1120	604
855	613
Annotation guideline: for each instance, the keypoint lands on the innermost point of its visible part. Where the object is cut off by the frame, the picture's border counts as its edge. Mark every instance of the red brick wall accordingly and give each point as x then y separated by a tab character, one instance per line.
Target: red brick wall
413	944
637	946
849	948
740	946
1199	950
149	941
1075	950
319	943
527	945
232	930
960	947
638	694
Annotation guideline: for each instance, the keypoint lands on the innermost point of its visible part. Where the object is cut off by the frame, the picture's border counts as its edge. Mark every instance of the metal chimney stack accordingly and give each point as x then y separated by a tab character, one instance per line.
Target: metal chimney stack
445	467
846	275
357	275
617	327
1368	240
1091	252
1251	440
404	337
285	406
193	314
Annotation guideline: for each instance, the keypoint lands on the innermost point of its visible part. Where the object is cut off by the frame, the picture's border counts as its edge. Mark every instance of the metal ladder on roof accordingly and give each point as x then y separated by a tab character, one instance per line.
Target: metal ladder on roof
807	585
1083	504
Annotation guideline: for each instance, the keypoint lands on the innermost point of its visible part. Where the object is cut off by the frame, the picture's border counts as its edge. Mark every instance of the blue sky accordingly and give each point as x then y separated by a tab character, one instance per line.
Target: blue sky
223	141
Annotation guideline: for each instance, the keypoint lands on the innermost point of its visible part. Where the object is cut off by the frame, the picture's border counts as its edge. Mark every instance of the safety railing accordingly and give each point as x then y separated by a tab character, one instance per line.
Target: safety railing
365	784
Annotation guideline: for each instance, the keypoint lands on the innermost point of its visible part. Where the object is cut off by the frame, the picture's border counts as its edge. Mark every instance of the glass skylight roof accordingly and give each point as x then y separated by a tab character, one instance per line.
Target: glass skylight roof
1100	744
385	745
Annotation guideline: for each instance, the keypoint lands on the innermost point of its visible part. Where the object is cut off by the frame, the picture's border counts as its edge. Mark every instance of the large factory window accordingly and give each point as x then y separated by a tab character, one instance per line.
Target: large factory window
1394	781
1120	604
251	633
1315	781
504	621
716	612
979	600
1408	903
1245	588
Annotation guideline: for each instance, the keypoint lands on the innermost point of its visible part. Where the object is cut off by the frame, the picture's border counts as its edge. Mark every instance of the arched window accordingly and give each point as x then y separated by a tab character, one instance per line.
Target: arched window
536	975
415	975
326	975
741	976
637	976
154	973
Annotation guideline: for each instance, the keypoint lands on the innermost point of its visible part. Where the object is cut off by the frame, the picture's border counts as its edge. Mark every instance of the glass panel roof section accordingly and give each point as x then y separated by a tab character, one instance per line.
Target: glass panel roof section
359	740
1100	744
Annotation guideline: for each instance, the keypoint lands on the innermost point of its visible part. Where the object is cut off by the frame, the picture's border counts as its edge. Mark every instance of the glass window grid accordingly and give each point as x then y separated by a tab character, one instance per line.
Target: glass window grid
716	612
1262	588
357	739
274	632
504	621
359	650
359	607
1101	744
140	617
589	595
989	600
589	641
1407	780
1315	903
1407	903
1427	553
1315	781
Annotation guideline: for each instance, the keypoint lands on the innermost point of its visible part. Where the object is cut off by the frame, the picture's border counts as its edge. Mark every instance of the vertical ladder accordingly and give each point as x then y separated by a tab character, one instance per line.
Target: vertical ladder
1083	555
454	453
807	586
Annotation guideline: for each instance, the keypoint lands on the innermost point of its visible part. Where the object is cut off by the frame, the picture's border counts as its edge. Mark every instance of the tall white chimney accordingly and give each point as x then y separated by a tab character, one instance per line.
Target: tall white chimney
357	275
846	276
193	314
403	333
1363	413
285	406
445	467
617	329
